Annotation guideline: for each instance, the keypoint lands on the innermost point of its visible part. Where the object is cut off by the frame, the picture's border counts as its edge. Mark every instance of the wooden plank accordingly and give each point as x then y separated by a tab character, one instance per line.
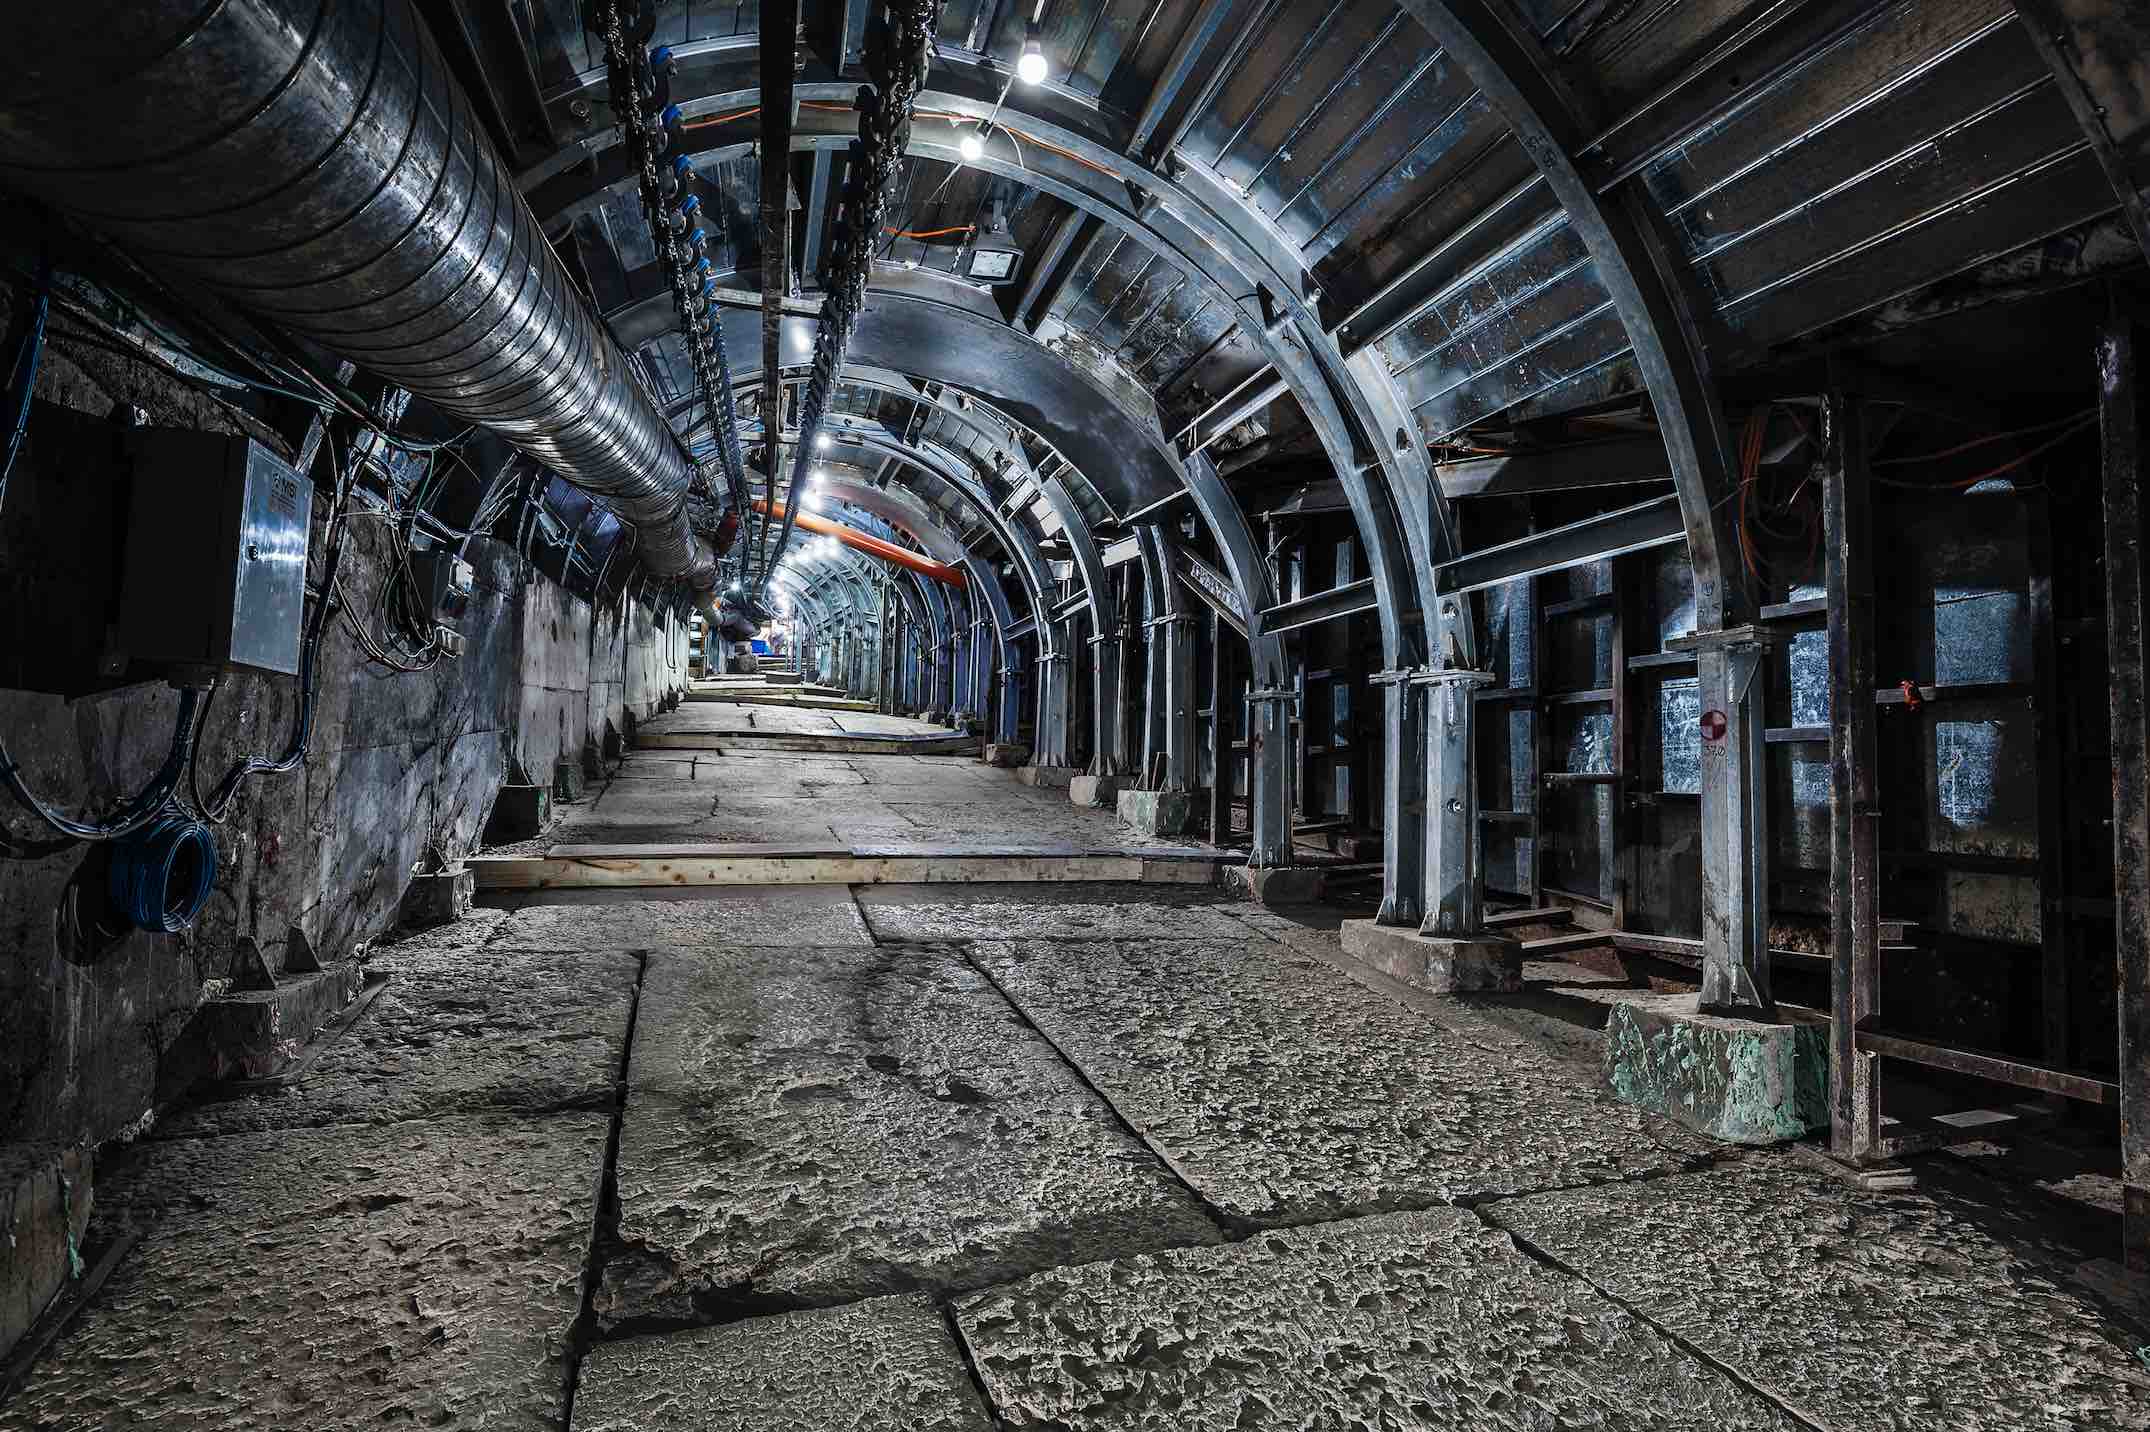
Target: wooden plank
1545	915
1578	940
686	871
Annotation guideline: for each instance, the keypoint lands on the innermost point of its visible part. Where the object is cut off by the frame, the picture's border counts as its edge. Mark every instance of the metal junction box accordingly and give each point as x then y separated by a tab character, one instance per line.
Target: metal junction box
215	576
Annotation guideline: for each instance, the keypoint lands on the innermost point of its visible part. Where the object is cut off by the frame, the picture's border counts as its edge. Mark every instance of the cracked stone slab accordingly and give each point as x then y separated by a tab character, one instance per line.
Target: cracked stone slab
884	1365
814	1125
1949	1310
1285	1092
346	1278
740	915
1005	911
456	1030
1402	1322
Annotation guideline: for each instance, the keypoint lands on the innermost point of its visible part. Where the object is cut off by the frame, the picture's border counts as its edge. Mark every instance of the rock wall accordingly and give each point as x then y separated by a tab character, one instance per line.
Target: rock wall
403	769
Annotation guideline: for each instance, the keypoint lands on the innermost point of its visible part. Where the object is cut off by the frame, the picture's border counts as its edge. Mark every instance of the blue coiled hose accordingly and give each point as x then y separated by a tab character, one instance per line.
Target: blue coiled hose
162	874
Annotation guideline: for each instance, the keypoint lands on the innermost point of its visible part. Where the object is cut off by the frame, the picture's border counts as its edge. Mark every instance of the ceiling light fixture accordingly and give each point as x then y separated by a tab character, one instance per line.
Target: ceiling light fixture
1030	66
971	147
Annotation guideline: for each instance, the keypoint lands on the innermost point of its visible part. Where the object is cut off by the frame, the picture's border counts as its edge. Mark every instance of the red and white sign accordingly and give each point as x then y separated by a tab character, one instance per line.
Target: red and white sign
1713	726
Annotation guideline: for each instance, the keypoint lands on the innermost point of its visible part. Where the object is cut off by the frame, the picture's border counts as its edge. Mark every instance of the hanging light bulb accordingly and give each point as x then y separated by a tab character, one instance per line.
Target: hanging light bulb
821	442
1030	66
971	147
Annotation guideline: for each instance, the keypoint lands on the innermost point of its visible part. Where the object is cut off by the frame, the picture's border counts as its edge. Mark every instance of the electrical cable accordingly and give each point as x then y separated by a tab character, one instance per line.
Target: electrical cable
161	875
22	378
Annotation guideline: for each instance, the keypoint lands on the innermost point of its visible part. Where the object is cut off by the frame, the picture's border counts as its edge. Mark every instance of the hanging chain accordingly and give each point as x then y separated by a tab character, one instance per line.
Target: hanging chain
899	49
650	124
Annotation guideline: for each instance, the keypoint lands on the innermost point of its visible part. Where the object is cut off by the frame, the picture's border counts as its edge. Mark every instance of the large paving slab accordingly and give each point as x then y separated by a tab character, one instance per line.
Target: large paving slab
812	1125
1285	1092
1949	1309
457	1029
354	1277
884	1365
741	915
1003	911
1403	1322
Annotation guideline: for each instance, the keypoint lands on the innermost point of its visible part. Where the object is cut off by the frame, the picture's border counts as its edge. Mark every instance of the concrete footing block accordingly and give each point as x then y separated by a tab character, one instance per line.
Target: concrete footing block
1053	778
519	813
252	1034
441	898
1274	885
1156	812
1005	755
1439	964
567	780
1732	1079
1094	791
44	1208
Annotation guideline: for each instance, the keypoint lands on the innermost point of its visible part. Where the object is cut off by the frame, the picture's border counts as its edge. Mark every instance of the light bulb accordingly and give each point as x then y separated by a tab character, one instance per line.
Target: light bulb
821	442
970	146
1030	65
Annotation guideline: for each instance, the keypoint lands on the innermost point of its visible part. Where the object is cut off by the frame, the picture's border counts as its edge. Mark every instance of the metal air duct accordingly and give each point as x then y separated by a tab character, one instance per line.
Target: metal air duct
314	163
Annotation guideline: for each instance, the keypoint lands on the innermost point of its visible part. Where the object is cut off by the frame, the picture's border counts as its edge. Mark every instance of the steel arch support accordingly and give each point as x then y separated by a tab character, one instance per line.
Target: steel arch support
1646	285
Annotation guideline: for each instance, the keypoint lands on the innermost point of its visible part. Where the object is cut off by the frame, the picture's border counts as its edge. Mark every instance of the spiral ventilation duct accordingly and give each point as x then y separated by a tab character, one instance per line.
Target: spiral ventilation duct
314	163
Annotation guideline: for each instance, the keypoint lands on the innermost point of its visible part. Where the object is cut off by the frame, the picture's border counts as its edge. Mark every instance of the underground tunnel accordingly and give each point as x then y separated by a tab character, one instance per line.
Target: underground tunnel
1084	714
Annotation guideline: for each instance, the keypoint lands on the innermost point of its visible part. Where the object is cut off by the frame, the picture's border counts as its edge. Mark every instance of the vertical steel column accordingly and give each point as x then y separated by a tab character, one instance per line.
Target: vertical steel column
1105	719
1051	748
1172	690
1404	815
2120	425
1732	665
1854	820
1452	889
1269	775
1222	697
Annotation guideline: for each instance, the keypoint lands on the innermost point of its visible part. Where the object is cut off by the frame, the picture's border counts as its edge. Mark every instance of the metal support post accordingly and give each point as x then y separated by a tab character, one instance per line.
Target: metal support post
1732	664
1854	820
1451	887
2120	425
1223	761
1172	701
1269	754
1051	746
1403	799
1105	703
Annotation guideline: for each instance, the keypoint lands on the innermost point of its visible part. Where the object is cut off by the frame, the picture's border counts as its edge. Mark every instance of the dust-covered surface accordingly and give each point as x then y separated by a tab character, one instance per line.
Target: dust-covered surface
818	1125
456	1030
1406	1321
885	1365
1946	1309
1285	1092
415	1274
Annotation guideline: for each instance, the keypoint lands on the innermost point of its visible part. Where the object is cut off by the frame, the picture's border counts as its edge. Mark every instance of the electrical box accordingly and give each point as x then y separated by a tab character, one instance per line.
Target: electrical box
445	582
215	574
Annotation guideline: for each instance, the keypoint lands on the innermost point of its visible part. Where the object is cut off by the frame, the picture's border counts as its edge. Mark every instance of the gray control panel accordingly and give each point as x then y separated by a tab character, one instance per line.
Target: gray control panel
217	532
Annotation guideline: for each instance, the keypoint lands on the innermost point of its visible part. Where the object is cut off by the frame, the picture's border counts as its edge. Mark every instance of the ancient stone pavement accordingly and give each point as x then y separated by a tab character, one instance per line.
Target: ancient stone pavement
976	1157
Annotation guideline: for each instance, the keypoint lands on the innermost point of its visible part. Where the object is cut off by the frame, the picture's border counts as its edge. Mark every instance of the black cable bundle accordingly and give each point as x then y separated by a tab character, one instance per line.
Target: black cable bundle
641	87
899	51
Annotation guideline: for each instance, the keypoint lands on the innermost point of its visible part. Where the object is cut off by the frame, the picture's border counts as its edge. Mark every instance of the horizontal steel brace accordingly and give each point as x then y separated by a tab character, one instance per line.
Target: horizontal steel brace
1344	601
1656	523
1603	464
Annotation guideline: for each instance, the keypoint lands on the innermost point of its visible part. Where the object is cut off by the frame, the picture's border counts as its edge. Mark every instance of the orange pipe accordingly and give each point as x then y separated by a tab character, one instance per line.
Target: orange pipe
865	542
